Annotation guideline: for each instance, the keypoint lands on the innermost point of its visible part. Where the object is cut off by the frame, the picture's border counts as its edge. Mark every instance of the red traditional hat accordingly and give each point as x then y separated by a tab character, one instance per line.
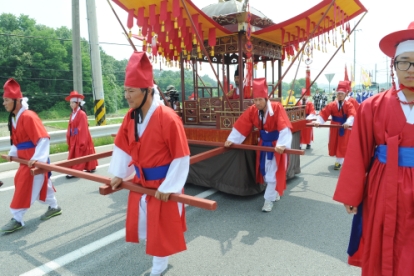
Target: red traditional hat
12	89
388	44
260	88
74	94
139	71
343	86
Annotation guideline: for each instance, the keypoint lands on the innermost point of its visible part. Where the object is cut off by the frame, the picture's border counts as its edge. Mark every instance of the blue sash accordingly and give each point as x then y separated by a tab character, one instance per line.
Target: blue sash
25	145
340	120
153	173
75	131
267	141
405	155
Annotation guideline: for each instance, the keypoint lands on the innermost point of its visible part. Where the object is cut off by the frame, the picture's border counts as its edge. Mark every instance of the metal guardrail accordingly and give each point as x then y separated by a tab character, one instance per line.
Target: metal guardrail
59	136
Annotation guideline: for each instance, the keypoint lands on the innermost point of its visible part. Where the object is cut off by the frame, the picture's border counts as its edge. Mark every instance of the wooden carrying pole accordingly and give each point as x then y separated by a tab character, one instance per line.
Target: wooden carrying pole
245	147
128	185
330	126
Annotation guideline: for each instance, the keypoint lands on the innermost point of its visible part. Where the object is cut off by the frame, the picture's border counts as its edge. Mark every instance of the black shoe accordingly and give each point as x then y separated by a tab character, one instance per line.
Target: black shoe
307	146
69	176
1	183
91	171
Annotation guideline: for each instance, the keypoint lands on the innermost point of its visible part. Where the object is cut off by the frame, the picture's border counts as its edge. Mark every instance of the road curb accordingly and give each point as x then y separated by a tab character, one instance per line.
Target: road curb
53	158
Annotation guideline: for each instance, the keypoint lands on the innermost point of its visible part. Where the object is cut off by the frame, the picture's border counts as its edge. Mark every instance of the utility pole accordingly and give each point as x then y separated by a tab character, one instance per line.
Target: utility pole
97	84
76	48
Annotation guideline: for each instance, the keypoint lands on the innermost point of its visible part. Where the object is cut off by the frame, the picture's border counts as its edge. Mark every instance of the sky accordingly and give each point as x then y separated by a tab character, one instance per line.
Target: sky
376	24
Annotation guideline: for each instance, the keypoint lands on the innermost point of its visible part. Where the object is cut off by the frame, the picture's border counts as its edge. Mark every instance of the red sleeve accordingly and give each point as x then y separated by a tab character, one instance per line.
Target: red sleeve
244	124
33	123
122	139
326	111
350	186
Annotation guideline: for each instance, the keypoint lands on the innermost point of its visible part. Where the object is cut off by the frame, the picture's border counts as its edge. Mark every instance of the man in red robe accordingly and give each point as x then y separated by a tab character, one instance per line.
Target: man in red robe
78	137
271	120
30	141
151	142
376	182
306	134
342	113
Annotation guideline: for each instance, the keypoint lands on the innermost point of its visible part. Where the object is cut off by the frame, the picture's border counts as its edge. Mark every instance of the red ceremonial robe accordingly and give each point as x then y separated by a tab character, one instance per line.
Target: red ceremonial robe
386	190
279	121
306	134
162	141
337	144
29	128
80	141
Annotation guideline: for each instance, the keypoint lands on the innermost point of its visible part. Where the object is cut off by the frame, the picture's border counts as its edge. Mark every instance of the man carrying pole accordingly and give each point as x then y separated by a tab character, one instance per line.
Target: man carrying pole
342	113
275	131
30	141
152	140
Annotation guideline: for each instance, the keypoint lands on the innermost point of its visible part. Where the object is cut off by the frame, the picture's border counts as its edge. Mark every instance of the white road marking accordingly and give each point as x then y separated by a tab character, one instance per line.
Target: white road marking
85	250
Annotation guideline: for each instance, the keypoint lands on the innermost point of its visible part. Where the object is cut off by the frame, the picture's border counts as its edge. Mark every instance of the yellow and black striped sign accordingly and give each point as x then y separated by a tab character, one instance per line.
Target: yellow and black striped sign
99	110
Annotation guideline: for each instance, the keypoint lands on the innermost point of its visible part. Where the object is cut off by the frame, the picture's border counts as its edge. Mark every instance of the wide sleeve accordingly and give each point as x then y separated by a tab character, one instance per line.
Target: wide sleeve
325	113
244	124
42	150
122	138
351	111
236	137
34	127
119	165
285	138
350	186
176	175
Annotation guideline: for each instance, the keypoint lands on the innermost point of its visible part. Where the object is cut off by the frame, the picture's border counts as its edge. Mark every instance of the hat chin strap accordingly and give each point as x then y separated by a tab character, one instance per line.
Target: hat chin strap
136	114
11	114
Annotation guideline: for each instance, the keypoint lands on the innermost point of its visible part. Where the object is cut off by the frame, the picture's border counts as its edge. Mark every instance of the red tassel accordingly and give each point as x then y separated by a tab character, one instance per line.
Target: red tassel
176	8
140	17
145	27
195	20
212	37
163	11
152	17
130	22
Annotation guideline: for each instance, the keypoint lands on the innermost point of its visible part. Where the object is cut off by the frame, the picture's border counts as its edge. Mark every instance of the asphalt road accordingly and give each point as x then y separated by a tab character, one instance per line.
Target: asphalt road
305	234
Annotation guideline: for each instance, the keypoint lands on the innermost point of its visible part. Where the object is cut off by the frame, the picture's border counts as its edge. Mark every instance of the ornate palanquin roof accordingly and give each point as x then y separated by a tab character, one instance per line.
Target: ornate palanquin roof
339	14
169	20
